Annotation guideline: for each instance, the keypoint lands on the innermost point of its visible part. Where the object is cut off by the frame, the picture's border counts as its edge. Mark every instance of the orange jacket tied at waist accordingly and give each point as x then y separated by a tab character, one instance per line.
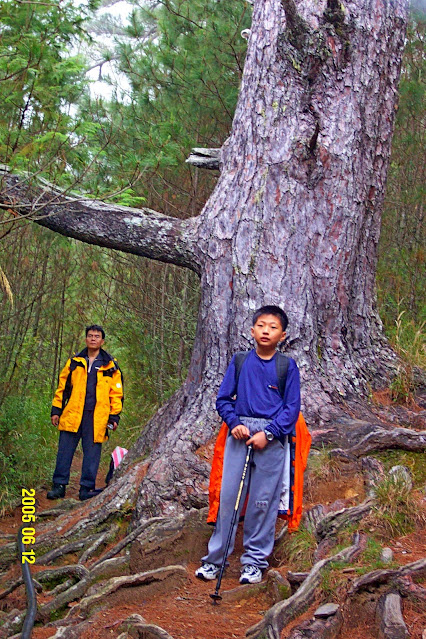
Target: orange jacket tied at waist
299	446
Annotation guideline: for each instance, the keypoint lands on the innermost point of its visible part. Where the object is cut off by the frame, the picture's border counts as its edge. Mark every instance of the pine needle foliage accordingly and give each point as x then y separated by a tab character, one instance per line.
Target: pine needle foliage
183	61
39	80
401	265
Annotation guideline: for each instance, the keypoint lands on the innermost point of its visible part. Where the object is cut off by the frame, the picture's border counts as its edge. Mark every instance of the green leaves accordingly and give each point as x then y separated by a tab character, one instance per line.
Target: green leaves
183	61
401	267
39	80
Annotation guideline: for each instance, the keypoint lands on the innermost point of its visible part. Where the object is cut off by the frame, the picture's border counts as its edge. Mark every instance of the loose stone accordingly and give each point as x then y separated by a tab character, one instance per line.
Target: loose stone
326	610
386	555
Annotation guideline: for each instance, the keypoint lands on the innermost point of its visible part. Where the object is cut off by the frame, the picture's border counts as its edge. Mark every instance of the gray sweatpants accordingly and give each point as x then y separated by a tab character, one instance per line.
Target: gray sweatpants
263	482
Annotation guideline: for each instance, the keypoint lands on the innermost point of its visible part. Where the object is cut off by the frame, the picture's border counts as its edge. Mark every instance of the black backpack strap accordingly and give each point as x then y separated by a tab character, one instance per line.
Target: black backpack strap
281	362
240	358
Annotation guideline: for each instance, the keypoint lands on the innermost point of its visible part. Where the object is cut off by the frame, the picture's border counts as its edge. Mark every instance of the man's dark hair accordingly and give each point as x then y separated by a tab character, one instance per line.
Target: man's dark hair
95	327
271	310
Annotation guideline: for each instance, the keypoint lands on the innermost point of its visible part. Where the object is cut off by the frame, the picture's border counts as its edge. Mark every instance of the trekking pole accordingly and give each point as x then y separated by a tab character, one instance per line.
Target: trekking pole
216	596
27	628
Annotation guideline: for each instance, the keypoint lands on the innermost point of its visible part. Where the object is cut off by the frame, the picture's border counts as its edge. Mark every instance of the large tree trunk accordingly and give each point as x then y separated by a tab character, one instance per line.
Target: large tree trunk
294	220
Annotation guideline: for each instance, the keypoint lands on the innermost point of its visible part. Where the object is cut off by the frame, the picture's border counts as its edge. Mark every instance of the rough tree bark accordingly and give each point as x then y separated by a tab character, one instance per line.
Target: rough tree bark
294	220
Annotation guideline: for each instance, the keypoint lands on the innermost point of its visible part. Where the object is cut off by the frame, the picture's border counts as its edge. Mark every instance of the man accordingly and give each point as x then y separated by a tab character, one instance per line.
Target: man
87	402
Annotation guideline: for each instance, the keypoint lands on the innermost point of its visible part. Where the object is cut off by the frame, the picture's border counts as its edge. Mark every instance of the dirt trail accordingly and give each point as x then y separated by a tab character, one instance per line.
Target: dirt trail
186	611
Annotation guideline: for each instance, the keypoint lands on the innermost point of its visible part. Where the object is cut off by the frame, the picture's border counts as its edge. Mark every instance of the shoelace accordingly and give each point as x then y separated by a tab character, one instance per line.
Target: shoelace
251	570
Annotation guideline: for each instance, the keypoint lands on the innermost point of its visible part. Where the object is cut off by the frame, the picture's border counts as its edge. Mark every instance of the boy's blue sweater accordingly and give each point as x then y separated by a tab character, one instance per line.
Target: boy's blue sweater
258	395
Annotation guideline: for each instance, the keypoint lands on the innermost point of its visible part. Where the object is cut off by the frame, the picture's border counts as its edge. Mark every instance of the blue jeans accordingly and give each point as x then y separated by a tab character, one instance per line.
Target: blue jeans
91	453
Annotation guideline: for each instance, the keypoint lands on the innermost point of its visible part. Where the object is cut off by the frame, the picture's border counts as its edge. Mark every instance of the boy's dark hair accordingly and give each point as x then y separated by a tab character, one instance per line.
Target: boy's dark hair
95	327
271	310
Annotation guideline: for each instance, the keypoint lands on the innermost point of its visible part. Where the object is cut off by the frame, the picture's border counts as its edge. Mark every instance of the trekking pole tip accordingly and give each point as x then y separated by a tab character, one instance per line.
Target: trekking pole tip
216	598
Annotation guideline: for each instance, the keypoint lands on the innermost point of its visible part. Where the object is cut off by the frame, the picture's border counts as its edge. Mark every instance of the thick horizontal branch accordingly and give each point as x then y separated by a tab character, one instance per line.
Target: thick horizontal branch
205	158
138	231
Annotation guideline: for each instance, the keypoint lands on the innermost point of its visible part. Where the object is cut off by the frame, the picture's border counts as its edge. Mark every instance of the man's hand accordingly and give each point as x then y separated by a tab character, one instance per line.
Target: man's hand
240	432
112	426
55	420
258	441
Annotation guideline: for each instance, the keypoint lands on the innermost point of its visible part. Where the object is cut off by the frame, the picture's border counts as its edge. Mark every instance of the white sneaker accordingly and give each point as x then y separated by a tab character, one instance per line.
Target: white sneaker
207	571
250	575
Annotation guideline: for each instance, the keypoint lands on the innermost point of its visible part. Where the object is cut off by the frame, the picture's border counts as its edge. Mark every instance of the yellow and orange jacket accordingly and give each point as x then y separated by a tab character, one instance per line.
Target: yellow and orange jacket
70	395
300	443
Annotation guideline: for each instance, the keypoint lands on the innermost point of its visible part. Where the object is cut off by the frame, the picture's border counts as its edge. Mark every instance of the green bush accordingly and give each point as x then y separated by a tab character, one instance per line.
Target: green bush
28	446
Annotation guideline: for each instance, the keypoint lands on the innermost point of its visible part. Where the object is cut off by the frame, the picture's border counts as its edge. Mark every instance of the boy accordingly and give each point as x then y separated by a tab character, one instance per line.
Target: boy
261	417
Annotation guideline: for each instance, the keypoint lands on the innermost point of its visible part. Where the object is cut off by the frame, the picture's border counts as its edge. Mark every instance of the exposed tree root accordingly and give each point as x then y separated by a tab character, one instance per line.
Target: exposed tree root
66	549
149	631
103	538
408	588
296	578
8	554
383	439
86	578
373	472
48	575
11	588
114	584
136	627
71	632
117	499
275	586
79	523
335	521
7	536
69	534
63	507
16	585
378	577
389	617
279	615
78	590
127	540
13	623
73	570
94	542
328	628
357	437
60	588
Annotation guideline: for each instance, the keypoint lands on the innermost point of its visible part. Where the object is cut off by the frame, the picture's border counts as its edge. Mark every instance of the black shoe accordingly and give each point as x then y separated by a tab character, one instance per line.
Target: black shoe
57	492
88	493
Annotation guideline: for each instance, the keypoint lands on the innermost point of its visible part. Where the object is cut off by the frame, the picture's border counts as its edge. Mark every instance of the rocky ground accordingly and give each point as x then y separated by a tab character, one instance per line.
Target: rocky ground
115	578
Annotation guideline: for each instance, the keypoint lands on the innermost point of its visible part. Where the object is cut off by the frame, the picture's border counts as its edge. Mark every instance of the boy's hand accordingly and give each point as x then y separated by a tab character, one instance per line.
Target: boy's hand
258	441
240	432
55	420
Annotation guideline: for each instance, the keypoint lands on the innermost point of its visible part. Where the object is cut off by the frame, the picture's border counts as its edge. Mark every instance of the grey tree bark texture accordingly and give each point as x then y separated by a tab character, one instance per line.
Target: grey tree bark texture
294	220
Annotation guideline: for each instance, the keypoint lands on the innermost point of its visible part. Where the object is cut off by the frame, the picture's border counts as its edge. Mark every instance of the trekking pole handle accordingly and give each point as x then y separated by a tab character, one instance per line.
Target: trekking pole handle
243	476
